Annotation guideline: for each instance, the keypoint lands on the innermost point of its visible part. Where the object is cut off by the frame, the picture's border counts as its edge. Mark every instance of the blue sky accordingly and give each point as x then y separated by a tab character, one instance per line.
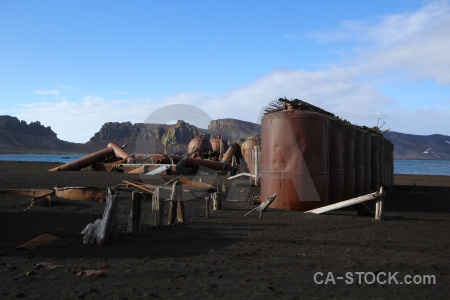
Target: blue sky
74	65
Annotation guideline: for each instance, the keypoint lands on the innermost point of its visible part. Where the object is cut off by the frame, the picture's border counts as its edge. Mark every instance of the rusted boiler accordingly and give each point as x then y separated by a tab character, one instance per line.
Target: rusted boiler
247	152
202	145
336	172
294	156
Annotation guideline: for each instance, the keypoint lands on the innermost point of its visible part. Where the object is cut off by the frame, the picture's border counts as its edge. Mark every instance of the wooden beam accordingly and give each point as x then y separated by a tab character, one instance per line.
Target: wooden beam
345	203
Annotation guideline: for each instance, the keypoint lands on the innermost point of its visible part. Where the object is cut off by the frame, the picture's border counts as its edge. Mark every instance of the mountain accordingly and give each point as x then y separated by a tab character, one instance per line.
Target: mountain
410	146
18	136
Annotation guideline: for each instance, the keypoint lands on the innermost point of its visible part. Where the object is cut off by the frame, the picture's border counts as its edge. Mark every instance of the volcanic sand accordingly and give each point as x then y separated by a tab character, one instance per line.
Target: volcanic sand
226	256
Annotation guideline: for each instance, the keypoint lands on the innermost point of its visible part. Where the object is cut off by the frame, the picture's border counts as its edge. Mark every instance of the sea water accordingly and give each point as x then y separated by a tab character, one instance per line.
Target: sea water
401	166
422	167
62	158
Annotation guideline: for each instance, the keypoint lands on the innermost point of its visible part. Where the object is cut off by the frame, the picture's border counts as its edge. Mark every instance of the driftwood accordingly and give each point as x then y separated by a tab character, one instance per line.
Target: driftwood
263	205
102	229
135	218
157	216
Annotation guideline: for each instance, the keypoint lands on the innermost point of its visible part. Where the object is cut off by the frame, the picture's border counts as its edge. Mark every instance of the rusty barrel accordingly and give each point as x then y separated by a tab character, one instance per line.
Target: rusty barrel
367	162
247	152
336	172
375	162
349	162
359	162
202	144
294	159
215	145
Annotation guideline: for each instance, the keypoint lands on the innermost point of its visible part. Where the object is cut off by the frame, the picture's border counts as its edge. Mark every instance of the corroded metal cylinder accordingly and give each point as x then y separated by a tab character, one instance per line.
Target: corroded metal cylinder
359	162
382	159
349	162
336	172
294	159
391	163
247	152
202	145
375	162
367	162
215	144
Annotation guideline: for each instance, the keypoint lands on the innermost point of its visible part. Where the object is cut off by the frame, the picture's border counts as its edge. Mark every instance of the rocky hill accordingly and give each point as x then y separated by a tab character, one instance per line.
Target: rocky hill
410	146
18	136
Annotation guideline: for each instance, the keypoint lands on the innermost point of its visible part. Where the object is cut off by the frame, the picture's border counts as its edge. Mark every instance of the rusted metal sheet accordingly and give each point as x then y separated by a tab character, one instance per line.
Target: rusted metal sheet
294	158
80	193
336	181
367	162
203	146
349	162
359	162
247	152
382	159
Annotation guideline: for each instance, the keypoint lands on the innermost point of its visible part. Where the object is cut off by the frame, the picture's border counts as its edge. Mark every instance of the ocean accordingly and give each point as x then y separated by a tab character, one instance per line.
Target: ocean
406	166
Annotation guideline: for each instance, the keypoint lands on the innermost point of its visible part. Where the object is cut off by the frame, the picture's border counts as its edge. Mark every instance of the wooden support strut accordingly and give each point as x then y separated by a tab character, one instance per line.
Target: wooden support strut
135	223
176	209
157	216
345	203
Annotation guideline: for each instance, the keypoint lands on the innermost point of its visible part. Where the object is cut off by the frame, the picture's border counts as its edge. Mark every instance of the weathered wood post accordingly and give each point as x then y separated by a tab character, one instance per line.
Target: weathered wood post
176	209
207	199
103	229
217	199
135	218
379	206
157	216
180	204
256	156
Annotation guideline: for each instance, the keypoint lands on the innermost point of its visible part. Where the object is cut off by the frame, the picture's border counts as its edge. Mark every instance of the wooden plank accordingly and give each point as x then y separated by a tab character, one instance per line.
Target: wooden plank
263	205
344	203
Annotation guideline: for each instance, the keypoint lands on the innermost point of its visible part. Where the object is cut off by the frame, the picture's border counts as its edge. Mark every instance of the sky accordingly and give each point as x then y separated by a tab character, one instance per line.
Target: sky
75	65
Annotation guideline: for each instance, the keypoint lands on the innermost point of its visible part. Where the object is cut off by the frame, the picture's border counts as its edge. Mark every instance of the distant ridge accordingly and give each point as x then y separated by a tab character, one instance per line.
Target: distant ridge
18	136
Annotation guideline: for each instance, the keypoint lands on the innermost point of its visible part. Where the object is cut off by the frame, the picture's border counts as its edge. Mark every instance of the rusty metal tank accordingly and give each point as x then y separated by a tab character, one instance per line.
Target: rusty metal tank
295	158
391	163
349	162
336	171
382	159
202	144
215	144
375	162
247	152
216	141
367	162
359	162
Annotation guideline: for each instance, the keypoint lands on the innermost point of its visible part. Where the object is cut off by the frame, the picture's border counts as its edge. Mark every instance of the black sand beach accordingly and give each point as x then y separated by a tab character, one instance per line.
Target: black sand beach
228	255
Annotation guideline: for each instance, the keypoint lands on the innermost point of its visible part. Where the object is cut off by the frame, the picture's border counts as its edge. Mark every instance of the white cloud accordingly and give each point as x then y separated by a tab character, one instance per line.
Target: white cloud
416	43
46	92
